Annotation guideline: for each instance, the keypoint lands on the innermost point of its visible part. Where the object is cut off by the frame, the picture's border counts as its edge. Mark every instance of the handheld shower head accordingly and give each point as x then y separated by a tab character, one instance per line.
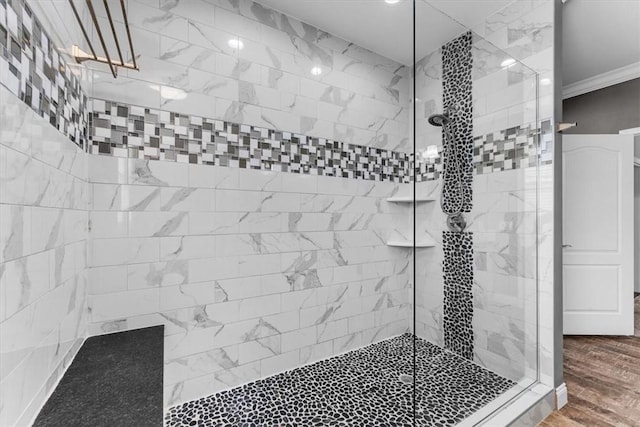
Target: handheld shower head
438	120
443	119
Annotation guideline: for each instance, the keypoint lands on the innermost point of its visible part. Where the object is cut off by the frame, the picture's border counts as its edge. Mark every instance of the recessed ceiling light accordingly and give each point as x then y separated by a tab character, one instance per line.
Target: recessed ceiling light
235	44
316	71
508	62
545	82
391	1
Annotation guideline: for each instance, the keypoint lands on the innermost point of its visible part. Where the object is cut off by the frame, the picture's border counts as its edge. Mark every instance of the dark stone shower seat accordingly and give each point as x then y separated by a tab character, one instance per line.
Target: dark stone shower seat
114	380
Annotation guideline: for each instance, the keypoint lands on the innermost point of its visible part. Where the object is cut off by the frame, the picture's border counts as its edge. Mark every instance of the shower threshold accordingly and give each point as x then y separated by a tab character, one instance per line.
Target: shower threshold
370	386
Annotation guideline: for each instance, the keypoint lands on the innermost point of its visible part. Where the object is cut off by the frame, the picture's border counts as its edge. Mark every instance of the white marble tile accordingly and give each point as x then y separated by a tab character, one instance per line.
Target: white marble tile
187	390
124	304
120	197
198	10
279	363
106	252
186	295
187	199
157	173
125	90
259	349
109	224
187	247
106	169
157	224
110	279
157	20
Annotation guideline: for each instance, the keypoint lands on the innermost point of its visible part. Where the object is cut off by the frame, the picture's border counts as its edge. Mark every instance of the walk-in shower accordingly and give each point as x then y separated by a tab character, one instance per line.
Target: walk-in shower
329	207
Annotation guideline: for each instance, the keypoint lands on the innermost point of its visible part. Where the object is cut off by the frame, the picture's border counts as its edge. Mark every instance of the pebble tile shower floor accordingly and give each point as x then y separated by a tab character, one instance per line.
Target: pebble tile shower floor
359	388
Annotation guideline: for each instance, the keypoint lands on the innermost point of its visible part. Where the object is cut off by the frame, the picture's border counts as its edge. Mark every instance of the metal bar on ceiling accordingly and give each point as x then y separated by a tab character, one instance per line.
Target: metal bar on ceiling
113	30
126	25
86	36
104	45
81	56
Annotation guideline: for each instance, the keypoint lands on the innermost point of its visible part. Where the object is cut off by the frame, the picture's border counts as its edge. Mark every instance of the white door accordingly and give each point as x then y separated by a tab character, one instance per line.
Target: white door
598	234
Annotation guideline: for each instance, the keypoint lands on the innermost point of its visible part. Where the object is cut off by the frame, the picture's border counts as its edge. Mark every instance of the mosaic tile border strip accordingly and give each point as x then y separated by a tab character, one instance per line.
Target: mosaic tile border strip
507	149
138	132
370	386
124	130
32	69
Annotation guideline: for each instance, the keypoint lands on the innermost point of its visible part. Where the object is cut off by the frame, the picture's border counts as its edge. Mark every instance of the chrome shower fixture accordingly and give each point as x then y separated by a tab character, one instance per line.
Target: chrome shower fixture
443	119
438	120
455	219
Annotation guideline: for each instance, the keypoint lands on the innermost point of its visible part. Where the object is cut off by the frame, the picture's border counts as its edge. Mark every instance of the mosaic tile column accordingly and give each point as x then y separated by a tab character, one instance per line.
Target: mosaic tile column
458	298
458	247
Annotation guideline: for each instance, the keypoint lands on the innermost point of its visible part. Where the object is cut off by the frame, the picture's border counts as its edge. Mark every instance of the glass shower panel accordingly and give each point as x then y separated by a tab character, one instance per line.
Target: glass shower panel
476	154
504	216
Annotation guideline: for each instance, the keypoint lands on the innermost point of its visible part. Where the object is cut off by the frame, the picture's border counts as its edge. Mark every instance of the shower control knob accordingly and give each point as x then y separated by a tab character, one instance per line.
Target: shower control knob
456	223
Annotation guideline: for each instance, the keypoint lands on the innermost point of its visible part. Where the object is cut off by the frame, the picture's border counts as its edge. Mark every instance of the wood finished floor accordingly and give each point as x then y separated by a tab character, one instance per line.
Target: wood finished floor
603	378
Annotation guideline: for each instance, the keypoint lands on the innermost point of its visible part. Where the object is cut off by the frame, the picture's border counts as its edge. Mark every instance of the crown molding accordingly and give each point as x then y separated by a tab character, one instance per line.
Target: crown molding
630	131
619	75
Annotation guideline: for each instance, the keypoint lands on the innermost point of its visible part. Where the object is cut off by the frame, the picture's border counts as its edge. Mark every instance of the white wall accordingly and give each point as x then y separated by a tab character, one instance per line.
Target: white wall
360	97
251	272
44	197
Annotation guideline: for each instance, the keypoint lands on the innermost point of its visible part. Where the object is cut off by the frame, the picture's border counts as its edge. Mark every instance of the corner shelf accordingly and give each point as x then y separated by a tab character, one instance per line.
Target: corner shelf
423	243
409	199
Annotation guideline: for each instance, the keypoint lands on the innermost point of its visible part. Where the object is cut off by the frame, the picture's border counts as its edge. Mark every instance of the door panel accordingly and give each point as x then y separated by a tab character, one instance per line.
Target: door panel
589	202
588	288
598	234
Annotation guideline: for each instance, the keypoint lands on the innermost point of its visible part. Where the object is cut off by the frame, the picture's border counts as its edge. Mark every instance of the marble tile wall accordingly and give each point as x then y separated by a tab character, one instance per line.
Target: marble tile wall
188	65
33	70
251	272
44	198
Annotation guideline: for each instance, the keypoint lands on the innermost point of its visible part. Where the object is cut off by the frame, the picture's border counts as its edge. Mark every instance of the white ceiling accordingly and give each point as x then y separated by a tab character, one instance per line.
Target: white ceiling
599	36
387	28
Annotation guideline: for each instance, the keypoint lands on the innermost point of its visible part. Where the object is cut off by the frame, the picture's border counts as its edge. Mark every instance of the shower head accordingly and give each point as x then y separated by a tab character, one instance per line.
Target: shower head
439	120
444	119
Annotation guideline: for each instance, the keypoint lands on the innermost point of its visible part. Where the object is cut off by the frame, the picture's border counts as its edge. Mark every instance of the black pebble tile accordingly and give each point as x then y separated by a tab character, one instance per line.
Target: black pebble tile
364	387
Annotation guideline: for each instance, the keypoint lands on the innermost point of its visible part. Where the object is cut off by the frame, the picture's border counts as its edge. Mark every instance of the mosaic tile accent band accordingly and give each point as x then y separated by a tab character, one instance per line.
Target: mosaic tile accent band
131	131
371	386
32	69
456	98
137	132
458	296
506	149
